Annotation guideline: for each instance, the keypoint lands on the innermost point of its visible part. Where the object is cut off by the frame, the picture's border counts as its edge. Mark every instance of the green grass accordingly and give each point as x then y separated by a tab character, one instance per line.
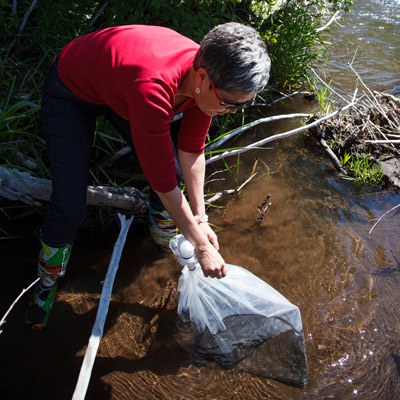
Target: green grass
323	93
361	168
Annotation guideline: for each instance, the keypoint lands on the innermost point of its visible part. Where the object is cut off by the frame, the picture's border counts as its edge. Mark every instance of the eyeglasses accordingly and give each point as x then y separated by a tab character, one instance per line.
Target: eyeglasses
230	106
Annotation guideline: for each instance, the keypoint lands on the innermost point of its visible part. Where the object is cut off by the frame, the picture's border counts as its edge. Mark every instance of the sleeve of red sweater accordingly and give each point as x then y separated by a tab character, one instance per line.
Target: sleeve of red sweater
150	113
194	127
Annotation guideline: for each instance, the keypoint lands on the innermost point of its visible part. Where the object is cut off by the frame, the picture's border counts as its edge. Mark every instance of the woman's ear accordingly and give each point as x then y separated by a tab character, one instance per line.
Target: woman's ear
201	78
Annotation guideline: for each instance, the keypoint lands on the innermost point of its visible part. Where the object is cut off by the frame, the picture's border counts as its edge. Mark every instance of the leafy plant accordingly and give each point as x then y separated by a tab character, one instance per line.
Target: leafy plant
323	93
362	168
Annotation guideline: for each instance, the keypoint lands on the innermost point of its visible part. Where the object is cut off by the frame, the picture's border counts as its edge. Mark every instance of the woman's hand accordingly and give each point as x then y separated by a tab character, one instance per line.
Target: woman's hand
200	234
212	264
211	236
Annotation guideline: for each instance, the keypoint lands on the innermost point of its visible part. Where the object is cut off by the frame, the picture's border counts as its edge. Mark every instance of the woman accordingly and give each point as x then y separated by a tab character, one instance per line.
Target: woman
140	77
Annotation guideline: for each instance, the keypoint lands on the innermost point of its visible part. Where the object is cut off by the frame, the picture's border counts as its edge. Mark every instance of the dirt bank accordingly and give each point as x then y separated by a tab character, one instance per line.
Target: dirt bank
369	131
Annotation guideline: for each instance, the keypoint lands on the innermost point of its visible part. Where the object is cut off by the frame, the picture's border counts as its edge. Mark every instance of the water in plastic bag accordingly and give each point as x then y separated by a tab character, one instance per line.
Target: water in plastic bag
238	320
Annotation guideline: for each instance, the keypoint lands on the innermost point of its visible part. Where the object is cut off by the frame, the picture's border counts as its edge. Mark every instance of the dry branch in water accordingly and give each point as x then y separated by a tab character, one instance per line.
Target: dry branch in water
261	210
382	216
277	136
252	124
285	97
220	195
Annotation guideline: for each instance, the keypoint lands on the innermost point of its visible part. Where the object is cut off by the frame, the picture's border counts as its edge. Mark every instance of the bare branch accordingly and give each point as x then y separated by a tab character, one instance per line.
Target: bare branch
334	17
21	27
381	217
96	15
246	182
220	195
252	124
102	311
94	18
278	136
332	155
376	102
327	85
382	141
3	320
284	97
115	156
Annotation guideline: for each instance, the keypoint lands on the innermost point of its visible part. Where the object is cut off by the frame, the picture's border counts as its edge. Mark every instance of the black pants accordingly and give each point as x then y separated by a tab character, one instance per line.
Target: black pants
68	124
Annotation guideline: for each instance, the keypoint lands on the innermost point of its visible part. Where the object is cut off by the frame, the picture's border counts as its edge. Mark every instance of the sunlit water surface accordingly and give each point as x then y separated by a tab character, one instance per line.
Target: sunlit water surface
368	39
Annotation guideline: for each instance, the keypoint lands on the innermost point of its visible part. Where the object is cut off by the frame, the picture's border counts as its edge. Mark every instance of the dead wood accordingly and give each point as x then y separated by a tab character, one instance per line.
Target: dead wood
259	217
260	143
22	186
367	130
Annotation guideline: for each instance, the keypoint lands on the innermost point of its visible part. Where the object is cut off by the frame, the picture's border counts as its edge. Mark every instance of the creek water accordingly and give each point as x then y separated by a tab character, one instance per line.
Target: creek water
314	247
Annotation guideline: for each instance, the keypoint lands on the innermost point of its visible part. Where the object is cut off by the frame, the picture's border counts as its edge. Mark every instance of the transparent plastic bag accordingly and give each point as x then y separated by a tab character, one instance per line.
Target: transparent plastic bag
227	320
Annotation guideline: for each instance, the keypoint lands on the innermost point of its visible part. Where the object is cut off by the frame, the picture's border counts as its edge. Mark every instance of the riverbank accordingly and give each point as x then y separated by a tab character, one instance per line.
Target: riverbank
364	142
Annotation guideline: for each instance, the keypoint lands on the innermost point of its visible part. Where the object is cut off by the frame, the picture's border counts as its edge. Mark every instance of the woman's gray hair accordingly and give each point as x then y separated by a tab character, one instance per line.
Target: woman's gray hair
235	58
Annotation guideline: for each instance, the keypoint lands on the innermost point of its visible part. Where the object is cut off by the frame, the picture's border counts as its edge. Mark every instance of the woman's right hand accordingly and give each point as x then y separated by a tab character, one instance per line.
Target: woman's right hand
212	264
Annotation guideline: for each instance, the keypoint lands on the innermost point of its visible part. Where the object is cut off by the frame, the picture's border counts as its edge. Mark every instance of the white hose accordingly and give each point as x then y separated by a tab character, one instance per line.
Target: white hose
97	330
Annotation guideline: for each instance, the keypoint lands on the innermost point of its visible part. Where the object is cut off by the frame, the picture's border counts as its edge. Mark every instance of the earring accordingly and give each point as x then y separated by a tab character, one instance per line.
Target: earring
198	90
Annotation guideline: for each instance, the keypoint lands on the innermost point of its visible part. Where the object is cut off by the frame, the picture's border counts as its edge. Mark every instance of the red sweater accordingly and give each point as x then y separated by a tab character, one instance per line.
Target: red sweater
136	71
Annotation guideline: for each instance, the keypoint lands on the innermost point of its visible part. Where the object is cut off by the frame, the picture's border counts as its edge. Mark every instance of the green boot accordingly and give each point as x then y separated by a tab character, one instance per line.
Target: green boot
52	265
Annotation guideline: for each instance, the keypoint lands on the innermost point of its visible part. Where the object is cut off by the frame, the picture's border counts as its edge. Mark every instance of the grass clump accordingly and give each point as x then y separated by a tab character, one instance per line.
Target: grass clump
362	169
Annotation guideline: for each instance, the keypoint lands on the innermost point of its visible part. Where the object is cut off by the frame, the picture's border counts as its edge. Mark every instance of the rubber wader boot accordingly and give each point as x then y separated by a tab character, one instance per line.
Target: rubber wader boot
162	227
52	265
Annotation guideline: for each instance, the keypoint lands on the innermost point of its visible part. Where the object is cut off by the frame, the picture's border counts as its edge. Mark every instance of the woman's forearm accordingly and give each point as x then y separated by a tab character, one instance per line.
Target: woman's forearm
193	170
200	235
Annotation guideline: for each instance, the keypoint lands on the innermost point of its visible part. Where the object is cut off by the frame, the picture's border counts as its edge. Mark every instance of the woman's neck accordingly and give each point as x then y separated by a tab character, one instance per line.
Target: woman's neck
186	88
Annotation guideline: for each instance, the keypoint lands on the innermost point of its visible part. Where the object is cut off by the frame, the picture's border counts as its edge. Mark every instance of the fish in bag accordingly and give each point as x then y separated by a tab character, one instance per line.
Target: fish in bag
238	320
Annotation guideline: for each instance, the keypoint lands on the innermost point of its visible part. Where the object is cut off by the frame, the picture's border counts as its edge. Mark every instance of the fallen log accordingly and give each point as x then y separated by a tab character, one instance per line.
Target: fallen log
22	186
